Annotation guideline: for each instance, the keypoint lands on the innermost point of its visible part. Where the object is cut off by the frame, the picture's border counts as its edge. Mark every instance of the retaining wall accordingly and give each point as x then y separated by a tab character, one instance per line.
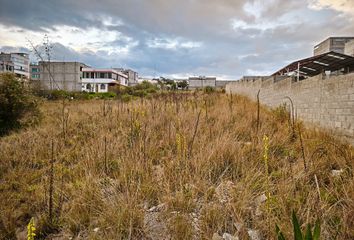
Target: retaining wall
324	101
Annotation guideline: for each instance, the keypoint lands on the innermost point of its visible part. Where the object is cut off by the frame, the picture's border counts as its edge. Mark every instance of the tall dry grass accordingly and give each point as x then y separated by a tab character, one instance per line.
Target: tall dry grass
199	155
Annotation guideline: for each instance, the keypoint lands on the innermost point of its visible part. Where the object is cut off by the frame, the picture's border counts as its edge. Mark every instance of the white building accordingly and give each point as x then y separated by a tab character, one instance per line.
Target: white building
99	79
15	62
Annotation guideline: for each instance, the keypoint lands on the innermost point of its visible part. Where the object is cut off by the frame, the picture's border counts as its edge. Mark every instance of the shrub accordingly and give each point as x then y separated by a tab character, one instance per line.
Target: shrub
59	94
105	95
126	97
281	113
209	89
18	106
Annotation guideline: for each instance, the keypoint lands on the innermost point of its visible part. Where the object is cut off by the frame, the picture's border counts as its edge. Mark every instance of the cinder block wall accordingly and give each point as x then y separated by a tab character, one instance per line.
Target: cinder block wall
326	102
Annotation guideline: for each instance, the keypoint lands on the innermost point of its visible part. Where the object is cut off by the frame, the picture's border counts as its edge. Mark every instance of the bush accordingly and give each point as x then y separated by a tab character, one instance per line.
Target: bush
106	95
209	89
18	106
59	94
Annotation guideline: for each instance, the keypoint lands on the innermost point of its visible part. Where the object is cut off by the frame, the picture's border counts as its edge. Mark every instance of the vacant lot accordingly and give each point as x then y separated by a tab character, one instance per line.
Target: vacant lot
182	166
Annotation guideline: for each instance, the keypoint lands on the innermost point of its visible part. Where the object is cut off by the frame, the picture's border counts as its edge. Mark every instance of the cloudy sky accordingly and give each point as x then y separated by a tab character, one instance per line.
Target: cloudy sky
177	38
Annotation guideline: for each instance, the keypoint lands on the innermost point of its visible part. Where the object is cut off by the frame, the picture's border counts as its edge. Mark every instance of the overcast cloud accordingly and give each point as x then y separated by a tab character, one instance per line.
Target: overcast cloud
224	38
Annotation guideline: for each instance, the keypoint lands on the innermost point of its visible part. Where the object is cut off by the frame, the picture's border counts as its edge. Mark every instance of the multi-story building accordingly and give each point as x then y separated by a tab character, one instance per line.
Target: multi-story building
15	62
336	44
349	48
99	80
201	82
132	75
6	66
75	76
58	75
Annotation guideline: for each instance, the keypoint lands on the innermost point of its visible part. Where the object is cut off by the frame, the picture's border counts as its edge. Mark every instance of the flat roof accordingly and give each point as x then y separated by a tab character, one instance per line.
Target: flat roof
312	66
333	38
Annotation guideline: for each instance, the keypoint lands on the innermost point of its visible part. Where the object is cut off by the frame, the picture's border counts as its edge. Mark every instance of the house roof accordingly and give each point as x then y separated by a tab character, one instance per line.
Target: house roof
312	66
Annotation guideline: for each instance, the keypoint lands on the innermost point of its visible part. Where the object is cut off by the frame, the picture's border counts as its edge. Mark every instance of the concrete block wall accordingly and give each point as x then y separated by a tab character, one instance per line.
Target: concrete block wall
327	102
67	76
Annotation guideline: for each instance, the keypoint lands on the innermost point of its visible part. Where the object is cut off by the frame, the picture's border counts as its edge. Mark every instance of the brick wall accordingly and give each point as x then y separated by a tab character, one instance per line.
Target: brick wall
324	101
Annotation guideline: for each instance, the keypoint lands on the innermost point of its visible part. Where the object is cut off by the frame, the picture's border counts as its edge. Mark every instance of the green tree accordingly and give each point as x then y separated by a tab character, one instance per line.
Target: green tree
183	84
18	106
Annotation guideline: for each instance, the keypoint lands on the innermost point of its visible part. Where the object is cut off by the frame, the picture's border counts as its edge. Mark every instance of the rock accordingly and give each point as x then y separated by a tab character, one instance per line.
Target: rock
336	173
96	229
216	236
260	199
228	236
254	234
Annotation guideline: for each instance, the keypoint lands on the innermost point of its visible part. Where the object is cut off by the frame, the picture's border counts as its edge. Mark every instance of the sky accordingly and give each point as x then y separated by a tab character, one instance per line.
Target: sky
176	38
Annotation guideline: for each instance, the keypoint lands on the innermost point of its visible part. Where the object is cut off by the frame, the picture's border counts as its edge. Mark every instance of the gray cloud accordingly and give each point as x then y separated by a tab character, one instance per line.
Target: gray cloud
190	36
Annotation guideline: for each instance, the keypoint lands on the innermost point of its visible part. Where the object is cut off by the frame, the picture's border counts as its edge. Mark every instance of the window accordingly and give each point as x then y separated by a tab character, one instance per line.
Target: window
103	86
35	70
92	75
101	75
35	75
109	75
88	86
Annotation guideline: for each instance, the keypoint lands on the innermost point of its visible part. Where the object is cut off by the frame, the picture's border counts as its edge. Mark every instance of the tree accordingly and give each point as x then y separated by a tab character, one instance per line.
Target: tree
18	106
183	84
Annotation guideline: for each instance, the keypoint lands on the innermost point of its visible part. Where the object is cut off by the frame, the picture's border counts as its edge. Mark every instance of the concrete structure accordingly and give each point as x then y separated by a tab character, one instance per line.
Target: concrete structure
76	76
222	83
99	80
58	75
15	62
132	77
201	82
6	66
336	44
325	101
349	48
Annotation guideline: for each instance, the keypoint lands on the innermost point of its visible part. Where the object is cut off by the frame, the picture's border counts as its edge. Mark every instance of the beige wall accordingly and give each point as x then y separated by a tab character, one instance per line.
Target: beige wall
349	48
328	103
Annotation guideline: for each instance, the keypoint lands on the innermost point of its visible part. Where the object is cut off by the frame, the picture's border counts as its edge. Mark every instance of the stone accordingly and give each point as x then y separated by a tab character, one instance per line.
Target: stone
216	236
228	236
260	199
336	173
254	234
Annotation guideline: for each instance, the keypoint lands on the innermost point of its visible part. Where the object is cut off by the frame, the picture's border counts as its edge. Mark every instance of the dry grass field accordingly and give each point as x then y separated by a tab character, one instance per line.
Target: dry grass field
177	166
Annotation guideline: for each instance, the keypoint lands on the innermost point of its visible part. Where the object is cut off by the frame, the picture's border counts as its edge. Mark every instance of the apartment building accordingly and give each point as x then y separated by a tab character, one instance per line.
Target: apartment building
335	44
99	79
17	63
